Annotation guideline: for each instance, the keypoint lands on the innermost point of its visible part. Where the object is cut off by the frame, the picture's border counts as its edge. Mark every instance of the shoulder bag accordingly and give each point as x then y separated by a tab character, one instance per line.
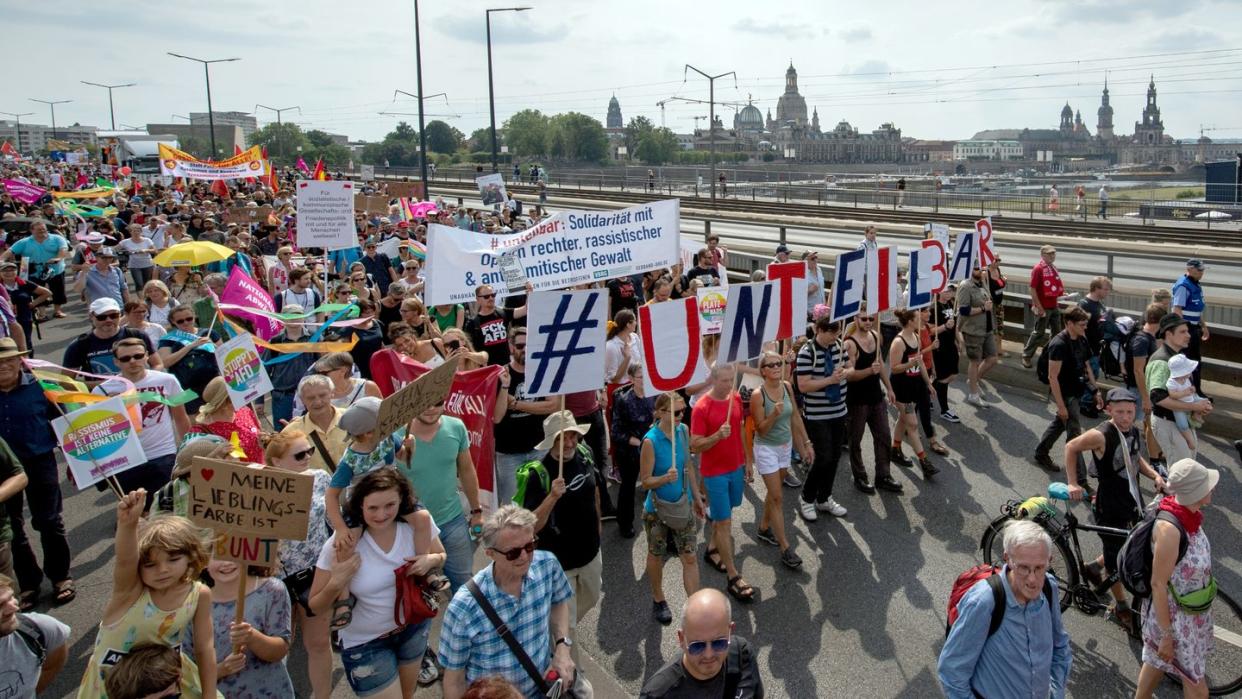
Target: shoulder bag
676	514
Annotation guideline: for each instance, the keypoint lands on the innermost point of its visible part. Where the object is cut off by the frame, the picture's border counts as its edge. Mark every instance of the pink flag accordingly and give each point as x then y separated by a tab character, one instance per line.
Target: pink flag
303	167
24	192
244	291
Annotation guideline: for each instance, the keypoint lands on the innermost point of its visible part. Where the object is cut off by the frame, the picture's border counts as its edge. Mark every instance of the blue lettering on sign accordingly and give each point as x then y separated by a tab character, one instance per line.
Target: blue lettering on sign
751	320
963	257
920	295
847	283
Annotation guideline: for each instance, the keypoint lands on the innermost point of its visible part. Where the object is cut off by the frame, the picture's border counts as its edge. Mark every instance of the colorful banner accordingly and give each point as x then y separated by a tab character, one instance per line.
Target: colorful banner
241	290
568	248
471	399
712	300
24	192
93	193
243	372
99	441
176	163
565	342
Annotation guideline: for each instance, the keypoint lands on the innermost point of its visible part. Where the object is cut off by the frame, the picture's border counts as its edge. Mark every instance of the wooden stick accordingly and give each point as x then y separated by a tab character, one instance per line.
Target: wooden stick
113	484
672	424
560	452
240	615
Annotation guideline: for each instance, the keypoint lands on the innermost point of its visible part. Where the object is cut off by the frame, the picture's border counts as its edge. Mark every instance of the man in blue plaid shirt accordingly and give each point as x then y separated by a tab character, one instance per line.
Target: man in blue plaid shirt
528	588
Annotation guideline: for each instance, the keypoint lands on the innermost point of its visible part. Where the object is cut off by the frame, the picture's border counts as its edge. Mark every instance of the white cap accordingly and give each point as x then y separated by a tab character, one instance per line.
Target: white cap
104	305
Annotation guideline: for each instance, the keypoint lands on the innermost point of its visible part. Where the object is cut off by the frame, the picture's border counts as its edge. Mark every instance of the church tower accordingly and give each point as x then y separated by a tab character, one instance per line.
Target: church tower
791	106
815	120
614	114
1104	122
1067	119
1150	131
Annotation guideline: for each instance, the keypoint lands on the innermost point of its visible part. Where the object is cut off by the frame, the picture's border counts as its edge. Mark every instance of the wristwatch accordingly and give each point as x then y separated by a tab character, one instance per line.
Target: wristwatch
569	642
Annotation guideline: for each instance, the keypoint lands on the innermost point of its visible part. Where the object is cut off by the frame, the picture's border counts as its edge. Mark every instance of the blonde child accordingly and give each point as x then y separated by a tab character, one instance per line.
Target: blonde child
155	595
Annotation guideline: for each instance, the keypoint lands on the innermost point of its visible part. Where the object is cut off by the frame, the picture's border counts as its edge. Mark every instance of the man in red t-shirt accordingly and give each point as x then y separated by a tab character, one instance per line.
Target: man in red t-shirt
1046	288
716	436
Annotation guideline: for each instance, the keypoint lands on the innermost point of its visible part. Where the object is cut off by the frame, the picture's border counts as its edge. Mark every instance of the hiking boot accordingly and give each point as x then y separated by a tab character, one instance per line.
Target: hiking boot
767	537
807	510
791	559
929	469
1046	462
832	507
887	483
950	416
864	486
661	613
896	457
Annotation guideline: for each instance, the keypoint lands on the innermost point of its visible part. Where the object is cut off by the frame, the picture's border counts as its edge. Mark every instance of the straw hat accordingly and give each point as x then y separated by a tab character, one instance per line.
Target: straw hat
556	423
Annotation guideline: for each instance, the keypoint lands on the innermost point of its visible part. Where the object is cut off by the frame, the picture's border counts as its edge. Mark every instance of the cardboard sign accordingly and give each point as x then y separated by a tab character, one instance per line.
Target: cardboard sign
245	548
408	190
245	215
99	441
242	369
264	502
397	410
372	203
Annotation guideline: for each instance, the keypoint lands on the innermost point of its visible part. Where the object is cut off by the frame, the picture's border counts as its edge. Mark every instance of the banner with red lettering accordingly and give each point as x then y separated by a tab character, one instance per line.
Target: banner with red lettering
244	291
471	399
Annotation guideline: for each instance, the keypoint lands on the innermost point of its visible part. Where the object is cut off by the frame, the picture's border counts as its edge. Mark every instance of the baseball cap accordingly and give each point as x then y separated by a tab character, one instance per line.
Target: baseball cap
782	248
361	417
403	224
1195	263
1119	395
8	265
104	305
1047	250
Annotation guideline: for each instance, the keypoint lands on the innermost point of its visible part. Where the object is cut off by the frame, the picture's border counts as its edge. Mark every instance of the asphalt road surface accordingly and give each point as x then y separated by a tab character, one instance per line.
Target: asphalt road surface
863	617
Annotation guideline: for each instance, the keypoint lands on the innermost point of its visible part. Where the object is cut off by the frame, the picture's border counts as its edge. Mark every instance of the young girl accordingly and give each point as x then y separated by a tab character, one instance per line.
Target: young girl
155	595
257	670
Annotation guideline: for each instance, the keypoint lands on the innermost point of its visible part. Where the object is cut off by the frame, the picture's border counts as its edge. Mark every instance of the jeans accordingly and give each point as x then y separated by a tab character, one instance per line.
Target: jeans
597	439
506	473
282	407
627	464
458	550
875	416
375	665
46	508
1049	322
141	276
828	438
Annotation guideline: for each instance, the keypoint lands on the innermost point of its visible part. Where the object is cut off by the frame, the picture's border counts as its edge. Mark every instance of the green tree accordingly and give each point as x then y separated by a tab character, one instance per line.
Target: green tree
442	138
638	127
403	132
577	136
481	139
657	146
526	133
281	141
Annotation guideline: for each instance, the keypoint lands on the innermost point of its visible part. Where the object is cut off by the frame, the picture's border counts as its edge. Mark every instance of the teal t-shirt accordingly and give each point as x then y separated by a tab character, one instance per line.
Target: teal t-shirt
433	471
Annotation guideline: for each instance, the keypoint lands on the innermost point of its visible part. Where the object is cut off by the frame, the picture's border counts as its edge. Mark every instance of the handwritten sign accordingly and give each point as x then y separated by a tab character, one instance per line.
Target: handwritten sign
235	498
404	405
244	215
372	203
245	548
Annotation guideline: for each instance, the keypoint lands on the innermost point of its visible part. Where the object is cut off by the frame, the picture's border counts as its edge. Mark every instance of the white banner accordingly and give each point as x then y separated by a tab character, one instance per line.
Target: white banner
326	215
492	189
243	372
753	317
672	345
571	247
176	163
566	331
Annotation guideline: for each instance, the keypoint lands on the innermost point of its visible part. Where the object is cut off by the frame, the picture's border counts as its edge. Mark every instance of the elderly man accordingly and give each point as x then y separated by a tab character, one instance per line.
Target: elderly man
92	351
524	586
103	279
1028	654
1046	288
320	422
714	662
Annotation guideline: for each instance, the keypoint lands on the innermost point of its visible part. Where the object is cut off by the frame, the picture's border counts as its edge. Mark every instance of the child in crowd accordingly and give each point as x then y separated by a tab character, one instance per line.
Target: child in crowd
1182	388
148	671
155	595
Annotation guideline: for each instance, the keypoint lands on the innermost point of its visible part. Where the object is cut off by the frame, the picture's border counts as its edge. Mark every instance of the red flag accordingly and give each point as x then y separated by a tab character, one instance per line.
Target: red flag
237	149
321	172
272	181
220	189
265	152
8	149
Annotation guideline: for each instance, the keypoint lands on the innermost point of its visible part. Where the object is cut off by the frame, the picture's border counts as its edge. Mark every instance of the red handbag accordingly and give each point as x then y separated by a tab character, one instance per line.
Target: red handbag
416	600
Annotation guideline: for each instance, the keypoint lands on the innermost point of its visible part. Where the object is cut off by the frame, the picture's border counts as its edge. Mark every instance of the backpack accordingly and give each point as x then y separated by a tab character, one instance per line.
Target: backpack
537	469
33	636
991	573
1134	558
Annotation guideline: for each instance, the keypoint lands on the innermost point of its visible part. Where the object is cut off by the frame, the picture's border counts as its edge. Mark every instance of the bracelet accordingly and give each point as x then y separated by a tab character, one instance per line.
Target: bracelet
476	511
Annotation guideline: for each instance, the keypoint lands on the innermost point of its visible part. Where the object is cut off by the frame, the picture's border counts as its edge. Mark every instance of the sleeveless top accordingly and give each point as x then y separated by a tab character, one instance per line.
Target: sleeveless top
663	452
1114	497
866	391
357	389
143	622
911	374
778	435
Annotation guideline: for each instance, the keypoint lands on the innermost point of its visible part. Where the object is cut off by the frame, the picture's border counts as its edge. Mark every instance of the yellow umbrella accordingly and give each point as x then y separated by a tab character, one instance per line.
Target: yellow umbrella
193	254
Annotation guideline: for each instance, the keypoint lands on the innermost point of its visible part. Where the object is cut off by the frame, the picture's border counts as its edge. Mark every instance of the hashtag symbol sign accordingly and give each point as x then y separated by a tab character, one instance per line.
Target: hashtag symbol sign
554	350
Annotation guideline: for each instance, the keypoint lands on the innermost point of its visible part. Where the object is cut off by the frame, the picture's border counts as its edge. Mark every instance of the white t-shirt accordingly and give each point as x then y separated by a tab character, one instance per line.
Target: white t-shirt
157	436
614	354
21	666
374	583
137	259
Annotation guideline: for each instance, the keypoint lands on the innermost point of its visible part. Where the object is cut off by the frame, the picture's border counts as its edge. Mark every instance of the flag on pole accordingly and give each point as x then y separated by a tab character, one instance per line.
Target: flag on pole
302	167
321	172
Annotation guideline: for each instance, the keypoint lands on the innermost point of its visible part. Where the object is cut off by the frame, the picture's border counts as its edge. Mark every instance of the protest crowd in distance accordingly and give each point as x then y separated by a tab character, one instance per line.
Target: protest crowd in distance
316	399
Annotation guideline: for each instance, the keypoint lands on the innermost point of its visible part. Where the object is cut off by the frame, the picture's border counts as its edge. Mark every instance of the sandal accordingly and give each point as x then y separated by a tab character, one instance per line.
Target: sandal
65	592
740	590
712	556
342	613
28	600
939	448
59	314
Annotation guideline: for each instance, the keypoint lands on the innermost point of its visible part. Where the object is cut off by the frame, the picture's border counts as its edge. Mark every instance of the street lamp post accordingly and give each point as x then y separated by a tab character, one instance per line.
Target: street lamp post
711	118
279	124
422	130
211	118
52	104
491	90
109	88
18	117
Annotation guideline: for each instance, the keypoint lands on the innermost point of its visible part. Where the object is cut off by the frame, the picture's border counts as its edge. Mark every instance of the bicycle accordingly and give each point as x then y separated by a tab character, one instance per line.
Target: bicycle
1224	665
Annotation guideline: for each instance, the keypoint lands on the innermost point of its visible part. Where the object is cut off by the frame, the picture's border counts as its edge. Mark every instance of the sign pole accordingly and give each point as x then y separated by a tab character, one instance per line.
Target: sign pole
240	615
560	452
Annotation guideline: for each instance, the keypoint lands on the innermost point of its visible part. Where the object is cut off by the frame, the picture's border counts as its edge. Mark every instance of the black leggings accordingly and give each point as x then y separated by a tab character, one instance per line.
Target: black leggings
922	403
942	395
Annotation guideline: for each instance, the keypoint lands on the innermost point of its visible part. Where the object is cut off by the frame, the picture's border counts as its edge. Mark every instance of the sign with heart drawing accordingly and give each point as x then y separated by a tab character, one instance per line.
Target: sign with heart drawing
246	500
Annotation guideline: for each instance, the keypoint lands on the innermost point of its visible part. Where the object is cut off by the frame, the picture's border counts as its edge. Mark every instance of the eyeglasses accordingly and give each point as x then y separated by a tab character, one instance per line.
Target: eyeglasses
772	365
516	552
866	320
131	358
304	454
486	296
678	413
183	321
521	346
114	315
719	645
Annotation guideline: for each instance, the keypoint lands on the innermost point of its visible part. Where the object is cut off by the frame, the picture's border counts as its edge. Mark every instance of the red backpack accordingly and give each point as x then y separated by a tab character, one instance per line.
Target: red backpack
991	573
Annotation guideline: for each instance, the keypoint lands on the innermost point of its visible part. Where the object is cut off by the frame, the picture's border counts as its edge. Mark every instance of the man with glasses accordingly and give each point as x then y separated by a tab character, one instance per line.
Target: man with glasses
528	589
489	327
714	662
379	266
92	351
163	425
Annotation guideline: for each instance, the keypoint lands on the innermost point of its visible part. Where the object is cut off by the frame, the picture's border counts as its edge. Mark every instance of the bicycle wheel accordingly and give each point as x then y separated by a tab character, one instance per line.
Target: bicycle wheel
1224	663
1063	566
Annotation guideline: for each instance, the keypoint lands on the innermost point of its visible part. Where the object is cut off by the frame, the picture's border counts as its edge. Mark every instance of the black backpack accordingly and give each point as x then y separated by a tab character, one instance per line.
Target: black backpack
1041	363
1134	558
33	637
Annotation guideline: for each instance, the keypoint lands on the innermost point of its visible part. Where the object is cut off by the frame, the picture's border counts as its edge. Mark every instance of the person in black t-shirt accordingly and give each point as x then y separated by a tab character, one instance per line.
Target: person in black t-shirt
92	351
622	295
517	420
489	327
1097	317
703	269
714	662
1068	373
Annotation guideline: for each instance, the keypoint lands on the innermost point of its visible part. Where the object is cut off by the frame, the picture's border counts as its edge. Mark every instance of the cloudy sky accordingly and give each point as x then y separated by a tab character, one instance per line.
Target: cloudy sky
944	74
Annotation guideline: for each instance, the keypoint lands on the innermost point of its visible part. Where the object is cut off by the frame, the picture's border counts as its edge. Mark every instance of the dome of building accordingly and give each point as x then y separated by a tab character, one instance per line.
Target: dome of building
749	119
791	106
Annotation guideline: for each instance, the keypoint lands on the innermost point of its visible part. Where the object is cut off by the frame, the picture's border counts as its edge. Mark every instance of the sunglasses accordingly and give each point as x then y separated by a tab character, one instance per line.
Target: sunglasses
865	320
486	296
719	645
109	316
521	346
516	552
304	454
131	358
771	365
183	321
678	413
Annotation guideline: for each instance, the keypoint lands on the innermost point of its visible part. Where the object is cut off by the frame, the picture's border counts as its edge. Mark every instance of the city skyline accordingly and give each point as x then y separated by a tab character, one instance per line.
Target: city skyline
342	67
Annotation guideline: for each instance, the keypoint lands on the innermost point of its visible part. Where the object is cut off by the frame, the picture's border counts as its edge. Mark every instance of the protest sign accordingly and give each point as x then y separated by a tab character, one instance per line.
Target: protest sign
99	441
399	408
673	327
848	284
407	190
176	163
919	276
568	248
565	342
24	192
937	231
965	254
511	271
367	172
245	291
883	291
987	249
371	203
242	500
246	548
243	372
326	215
935	258
712	303
791	320
753	317
492	189
245	215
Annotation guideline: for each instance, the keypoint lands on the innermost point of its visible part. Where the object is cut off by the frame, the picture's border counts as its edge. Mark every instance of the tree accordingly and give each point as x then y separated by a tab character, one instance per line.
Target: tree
526	133
442	138
577	137
657	146
634	131
281	141
481	139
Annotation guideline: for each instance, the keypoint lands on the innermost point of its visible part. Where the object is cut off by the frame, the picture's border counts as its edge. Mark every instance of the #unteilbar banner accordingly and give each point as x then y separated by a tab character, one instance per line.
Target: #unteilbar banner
177	163
571	247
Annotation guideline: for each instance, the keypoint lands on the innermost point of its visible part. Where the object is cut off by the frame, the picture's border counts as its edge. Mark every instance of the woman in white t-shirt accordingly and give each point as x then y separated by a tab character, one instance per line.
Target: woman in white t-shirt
160	303
381	658
140	248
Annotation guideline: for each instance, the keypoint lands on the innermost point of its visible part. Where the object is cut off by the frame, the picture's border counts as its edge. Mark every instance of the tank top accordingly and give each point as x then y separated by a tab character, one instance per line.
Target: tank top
357	389
778	435
866	391
908	354
662	449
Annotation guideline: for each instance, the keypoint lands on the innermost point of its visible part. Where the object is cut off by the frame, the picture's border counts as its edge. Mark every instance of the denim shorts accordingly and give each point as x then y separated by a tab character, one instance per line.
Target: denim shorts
372	666
724	492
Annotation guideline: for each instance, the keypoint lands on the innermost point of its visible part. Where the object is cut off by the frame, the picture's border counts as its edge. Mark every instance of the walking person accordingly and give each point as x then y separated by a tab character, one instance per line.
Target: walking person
820	373
632	414
996	283
866	399
1046	287
946	356
911	386
974	309
778	432
1103	197
1174	333
1069	375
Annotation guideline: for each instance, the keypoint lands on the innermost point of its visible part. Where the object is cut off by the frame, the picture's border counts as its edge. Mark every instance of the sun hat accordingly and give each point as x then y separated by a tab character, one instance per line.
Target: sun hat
556	423
1191	481
8	349
1181	365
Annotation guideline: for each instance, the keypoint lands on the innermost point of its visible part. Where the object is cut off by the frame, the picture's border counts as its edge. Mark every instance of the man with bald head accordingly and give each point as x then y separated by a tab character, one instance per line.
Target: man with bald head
714	662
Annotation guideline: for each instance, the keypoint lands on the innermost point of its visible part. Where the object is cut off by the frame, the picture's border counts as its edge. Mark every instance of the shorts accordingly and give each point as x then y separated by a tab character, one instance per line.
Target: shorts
980	346
724	492
663	542
373	666
770	459
906	389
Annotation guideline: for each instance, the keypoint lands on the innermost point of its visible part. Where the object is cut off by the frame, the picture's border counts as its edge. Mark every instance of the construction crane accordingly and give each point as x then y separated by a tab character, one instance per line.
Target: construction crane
661	103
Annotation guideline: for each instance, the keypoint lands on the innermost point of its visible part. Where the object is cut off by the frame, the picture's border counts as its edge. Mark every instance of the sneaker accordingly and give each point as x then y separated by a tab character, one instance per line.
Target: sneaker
428	672
791	481
766	536
976	400
832	507
896	457
929	469
950	416
791	559
808	510
864	486
1026	362
661	613
1046	462
613	474
887	483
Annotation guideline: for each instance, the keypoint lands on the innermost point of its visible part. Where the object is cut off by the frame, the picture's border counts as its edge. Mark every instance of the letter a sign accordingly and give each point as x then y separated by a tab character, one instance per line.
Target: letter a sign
673	327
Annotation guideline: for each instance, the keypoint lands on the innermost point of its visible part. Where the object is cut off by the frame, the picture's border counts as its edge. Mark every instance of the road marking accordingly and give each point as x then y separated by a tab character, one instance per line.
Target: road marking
1227	636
